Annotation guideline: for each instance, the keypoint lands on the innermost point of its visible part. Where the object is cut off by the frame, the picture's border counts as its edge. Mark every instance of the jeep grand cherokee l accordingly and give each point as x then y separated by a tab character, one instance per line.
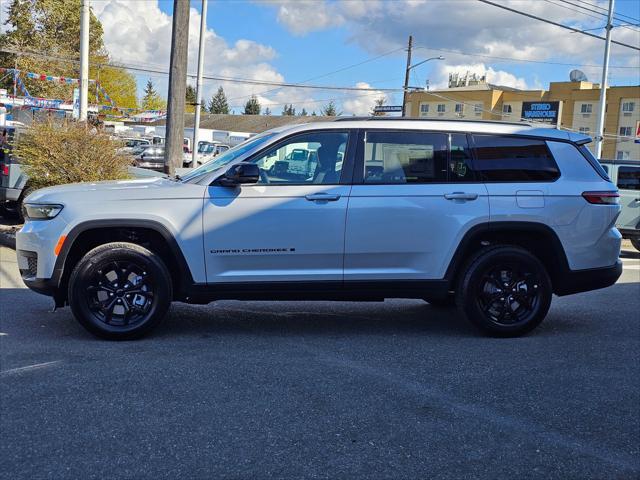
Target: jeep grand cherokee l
493	217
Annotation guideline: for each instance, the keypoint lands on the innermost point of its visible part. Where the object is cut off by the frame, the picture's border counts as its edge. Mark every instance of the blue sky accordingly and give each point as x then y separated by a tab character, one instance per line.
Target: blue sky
295	41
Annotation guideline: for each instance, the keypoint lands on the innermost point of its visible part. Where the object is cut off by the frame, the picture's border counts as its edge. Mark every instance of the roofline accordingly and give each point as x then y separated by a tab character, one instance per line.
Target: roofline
412	119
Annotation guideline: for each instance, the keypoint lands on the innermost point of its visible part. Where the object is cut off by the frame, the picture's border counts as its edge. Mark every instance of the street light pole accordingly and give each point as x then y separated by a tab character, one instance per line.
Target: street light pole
406	77
196	121
603	84
84	60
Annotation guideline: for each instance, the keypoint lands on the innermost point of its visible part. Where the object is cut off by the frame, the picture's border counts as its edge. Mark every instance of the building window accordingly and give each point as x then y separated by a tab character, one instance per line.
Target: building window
441	108
584	130
459	107
424	109
477	108
507	109
625	131
622	155
627	107
586	108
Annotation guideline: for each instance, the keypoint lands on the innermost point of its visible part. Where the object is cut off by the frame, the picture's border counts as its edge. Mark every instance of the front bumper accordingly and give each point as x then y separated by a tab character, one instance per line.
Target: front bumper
576	281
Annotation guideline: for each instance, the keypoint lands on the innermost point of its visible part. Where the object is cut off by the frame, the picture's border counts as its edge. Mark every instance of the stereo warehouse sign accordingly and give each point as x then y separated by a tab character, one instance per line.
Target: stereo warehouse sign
547	112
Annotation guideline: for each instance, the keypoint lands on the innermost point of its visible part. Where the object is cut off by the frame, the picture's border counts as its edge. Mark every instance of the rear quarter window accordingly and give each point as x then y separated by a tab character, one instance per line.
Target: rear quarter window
514	159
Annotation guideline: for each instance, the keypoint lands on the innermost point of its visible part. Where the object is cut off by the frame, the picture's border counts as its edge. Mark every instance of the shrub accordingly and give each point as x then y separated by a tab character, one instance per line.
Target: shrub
55	153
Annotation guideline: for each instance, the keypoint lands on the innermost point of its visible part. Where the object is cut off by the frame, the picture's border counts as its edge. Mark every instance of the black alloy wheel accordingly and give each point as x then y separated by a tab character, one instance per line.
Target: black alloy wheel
120	291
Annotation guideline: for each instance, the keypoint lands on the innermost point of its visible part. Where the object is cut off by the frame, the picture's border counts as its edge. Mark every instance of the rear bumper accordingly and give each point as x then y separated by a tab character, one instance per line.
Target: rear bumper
9	194
576	281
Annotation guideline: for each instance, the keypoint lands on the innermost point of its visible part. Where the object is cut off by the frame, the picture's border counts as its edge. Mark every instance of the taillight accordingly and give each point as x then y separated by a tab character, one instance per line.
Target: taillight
4	169
602	198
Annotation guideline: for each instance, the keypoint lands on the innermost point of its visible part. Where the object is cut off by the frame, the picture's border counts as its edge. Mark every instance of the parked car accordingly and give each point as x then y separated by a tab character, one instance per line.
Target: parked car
132	145
206	151
626	175
152	157
14	185
495	217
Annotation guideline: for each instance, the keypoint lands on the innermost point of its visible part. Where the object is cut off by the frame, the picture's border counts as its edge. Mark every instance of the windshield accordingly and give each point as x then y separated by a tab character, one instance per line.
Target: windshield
229	156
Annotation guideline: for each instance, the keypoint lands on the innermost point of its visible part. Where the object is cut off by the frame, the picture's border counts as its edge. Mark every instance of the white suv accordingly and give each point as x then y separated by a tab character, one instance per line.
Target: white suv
495	217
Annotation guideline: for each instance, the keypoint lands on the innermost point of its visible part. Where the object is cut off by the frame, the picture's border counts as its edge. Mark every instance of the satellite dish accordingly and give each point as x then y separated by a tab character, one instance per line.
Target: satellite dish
577	76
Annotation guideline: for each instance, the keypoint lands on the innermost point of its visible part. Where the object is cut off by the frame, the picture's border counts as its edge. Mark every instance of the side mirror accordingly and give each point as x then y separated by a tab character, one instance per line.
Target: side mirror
239	174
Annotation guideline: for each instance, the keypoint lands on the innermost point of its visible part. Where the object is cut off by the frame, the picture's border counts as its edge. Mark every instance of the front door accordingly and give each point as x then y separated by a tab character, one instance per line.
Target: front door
290	225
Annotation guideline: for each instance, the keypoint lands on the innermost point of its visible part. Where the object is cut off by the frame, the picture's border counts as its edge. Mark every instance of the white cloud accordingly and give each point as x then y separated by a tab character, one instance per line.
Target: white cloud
139	33
362	103
304	16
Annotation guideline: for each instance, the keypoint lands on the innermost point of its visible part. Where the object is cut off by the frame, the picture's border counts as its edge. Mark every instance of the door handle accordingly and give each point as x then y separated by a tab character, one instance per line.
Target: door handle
322	197
460	196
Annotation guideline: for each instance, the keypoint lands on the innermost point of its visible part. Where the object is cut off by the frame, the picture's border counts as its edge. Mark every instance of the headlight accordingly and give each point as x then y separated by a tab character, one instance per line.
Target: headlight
37	211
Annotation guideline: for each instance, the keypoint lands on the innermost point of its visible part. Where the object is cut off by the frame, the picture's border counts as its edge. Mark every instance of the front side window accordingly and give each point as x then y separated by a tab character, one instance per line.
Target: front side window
460	163
629	178
586	108
628	106
313	158
514	159
405	157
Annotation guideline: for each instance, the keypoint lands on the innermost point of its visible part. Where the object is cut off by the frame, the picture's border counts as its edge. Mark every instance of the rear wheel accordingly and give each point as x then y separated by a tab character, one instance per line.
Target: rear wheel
120	291
504	291
636	243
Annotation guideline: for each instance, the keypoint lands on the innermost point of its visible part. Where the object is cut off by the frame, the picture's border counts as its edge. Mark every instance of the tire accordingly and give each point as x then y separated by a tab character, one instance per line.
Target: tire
636	243
120	291
482	291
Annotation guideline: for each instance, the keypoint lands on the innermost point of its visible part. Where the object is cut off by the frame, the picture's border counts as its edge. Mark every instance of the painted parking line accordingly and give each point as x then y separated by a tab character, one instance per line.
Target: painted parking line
37	366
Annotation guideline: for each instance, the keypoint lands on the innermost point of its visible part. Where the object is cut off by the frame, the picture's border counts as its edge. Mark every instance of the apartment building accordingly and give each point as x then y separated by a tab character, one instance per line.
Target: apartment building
568	105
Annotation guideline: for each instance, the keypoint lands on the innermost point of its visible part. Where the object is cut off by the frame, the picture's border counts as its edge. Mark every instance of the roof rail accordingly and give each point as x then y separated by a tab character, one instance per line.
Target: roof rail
396	119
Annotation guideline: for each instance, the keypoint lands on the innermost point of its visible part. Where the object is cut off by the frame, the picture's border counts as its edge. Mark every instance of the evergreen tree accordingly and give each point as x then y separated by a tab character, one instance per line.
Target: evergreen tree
190	95
380	102
252	107
218	103
313	114
151	100
303	113
267	111
329	110
288	110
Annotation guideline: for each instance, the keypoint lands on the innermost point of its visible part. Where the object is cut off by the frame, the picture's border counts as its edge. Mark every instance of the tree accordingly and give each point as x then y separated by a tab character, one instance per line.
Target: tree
218	103
313	114
53	27
267	111
380	102
288	110
303	113
252	107
329	110
151	100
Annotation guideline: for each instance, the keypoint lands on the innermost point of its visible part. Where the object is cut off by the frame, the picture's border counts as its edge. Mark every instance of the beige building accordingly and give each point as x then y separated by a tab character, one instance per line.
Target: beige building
576	109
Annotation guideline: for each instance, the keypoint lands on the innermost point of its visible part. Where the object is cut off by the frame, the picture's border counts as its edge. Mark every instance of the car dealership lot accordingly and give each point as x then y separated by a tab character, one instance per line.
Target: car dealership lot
318	389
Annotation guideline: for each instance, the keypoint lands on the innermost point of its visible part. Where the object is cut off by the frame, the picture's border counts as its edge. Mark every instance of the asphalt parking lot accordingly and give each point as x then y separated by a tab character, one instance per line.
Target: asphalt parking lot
322	390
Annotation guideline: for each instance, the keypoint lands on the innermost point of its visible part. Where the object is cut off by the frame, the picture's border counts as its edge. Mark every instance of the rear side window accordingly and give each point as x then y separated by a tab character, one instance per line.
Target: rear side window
629	178
514	159
405	157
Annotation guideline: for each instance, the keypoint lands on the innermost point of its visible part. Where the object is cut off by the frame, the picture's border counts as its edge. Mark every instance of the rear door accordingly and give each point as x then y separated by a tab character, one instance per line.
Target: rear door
414	196
289	227
628	182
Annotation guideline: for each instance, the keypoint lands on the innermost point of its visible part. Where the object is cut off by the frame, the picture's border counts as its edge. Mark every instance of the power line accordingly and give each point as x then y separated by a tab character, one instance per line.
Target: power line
512	59
623	23
616	16
247	81
551	22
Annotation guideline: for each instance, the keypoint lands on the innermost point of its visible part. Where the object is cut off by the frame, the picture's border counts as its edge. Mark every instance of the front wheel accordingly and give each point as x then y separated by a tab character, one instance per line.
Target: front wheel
504	291
120	291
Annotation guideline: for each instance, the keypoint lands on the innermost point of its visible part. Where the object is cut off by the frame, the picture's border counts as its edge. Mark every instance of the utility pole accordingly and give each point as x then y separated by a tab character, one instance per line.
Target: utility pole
177	86
196	122
603	84
84	60
406	77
